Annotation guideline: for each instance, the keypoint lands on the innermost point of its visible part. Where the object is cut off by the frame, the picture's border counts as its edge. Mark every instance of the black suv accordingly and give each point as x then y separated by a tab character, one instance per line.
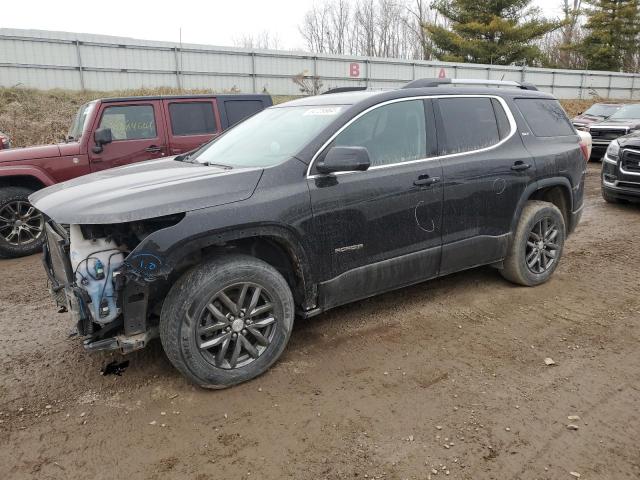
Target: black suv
309	205
624	121
620	179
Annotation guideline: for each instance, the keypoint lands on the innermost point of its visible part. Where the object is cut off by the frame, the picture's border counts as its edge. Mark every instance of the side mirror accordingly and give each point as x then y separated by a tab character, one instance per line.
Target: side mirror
102	136
345	159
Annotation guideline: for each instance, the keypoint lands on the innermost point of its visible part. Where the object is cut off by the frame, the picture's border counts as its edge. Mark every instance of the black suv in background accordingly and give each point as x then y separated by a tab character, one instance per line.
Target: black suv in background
624	121
621	170
309	205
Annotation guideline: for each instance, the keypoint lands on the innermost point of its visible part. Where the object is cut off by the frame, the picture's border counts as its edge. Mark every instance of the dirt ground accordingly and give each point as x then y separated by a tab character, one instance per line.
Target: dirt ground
447	376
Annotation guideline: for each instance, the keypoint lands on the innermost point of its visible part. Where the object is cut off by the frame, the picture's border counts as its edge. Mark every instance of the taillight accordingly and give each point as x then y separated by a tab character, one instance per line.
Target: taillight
585	150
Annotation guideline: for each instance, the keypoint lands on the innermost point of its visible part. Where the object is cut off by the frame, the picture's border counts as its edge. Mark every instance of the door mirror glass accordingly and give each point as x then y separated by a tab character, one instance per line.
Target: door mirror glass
345	159
102	136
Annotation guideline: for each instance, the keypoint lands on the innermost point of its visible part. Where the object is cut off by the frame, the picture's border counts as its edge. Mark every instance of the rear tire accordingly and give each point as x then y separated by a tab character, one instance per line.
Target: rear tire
21	225
537	246
212	332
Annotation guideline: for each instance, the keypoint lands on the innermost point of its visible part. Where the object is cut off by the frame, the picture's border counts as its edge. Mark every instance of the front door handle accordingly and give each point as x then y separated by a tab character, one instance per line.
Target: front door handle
153	149
520	166
425	181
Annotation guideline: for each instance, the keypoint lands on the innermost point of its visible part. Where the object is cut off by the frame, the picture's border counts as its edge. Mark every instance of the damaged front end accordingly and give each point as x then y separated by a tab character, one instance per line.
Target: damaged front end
113	296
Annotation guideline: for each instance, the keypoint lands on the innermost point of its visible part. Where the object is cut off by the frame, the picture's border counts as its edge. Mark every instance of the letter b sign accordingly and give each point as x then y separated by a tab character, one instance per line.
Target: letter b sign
354	70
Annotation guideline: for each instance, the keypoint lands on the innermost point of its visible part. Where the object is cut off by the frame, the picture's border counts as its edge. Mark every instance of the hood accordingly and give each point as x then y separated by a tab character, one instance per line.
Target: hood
586	119
631	140
144	190
623	122
29	153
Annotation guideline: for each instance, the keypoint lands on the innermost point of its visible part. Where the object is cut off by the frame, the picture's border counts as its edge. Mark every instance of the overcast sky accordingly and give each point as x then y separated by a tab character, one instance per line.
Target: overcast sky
213	22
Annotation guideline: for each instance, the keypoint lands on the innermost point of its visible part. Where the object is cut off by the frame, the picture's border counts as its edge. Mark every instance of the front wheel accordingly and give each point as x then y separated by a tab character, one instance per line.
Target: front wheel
21	225
537	246
227	321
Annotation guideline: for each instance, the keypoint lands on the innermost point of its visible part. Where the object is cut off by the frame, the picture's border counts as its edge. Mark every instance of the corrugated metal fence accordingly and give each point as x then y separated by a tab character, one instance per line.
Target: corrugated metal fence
44	60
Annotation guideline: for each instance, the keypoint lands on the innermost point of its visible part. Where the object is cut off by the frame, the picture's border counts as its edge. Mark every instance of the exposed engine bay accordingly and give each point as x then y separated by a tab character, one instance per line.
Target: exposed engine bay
92	276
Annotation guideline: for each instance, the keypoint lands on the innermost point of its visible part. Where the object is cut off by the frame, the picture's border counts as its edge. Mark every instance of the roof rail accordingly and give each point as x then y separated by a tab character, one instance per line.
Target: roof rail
343	89
435	82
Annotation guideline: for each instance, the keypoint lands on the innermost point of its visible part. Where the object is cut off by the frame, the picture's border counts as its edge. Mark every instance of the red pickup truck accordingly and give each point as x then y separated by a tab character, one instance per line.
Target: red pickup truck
108	133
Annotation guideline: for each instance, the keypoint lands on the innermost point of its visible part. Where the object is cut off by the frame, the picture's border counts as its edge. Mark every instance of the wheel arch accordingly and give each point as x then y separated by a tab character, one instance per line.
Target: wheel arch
24	176
556	190
277	245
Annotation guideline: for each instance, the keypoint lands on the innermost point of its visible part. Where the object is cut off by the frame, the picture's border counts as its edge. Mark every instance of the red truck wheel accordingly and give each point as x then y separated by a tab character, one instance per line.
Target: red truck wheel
21	225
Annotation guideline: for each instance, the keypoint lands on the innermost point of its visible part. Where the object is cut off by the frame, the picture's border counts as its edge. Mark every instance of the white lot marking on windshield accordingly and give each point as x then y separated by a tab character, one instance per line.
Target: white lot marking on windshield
322	111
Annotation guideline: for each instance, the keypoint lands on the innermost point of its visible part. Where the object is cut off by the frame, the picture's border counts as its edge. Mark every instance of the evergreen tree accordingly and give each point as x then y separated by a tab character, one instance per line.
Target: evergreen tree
499	32
612	28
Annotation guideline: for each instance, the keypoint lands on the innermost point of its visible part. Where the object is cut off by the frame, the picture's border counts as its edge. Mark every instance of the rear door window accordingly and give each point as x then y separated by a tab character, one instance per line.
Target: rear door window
129	122
192	118
545	117
468	124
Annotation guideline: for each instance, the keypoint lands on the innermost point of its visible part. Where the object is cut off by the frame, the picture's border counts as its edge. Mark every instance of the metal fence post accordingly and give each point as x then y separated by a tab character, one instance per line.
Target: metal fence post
367	65
523	77
633	86
254	81
178	67
77	42
609	87
581	90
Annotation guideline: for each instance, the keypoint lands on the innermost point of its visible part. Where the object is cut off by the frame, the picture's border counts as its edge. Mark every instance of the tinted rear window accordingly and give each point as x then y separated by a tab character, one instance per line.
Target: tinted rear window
238	110
546	118
469	124
192	118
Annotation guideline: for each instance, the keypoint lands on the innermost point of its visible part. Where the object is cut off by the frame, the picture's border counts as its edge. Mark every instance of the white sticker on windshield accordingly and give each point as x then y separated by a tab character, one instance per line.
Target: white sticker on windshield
318	112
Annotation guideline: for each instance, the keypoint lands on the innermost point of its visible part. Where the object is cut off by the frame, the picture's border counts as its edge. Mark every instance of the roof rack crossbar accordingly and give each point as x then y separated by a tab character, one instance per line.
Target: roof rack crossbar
435	82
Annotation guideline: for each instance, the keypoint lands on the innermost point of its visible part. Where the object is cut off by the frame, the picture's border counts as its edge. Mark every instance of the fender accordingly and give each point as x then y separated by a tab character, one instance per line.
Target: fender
150	251
27	171
538	185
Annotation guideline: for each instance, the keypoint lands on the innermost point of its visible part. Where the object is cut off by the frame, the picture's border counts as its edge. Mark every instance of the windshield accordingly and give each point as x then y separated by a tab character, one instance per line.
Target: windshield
600	110
628	111
77	127
269	137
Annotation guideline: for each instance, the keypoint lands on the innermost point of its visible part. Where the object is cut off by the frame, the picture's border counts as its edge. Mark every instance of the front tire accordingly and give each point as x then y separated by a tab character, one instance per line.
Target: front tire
227	321
537	246
21	225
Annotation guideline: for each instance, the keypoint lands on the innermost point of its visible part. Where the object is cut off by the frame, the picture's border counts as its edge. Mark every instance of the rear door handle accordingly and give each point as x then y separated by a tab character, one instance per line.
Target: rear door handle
152	149
425	181
520	166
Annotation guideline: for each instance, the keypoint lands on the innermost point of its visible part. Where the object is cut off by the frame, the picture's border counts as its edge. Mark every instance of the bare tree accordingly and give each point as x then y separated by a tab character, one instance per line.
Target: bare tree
558	46
375	28
264	40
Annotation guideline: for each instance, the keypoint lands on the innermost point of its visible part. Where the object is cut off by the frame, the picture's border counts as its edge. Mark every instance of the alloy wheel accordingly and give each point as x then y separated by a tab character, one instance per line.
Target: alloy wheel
542	250
20	223
236	326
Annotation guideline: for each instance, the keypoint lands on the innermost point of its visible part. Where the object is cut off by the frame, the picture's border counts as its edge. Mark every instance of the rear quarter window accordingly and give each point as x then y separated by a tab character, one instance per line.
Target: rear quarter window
545	117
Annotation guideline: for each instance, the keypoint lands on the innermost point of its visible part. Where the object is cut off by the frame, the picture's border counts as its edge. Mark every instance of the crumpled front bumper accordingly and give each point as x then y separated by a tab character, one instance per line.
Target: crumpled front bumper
127	333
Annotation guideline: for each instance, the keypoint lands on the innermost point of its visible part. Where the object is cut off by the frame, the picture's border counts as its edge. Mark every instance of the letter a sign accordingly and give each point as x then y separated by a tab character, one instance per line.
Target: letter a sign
442	73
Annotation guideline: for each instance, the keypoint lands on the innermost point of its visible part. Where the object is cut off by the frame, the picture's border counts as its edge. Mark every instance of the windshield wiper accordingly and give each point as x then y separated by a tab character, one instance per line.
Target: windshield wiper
219	165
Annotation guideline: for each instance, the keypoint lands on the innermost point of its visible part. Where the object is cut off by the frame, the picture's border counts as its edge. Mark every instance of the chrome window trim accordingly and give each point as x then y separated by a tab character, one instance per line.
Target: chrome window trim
503	103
